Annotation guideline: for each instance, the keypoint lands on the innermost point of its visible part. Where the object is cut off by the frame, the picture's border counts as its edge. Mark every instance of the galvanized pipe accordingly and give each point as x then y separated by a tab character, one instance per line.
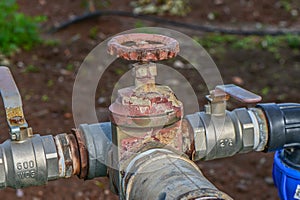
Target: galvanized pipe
163	174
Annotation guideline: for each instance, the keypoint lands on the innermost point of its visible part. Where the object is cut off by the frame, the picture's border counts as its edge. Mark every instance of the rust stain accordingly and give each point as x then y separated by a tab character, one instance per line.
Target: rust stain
146	101
146	113
143	47
15	116
83	154
75	154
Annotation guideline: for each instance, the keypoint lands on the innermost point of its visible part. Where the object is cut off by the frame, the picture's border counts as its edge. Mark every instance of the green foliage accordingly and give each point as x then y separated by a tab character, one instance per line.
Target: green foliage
272	44
213	40
70	67
93	32
50	83
265	91
172	7
32	69
293	41
286	4
17	29
139	24
51	42
45	98
247	43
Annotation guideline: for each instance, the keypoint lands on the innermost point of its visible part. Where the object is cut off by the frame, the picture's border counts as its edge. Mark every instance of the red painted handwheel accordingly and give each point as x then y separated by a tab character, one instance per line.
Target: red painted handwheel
143	47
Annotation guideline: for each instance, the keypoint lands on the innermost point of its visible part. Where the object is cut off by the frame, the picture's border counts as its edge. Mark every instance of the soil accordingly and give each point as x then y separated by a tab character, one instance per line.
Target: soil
47	93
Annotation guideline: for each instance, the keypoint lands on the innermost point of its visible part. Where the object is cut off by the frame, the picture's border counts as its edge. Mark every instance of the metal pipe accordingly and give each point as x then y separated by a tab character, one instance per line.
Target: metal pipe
163	174
39	159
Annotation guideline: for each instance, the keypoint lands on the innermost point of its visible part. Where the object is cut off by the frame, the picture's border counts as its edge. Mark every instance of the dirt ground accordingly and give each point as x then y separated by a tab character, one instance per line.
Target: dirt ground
47	92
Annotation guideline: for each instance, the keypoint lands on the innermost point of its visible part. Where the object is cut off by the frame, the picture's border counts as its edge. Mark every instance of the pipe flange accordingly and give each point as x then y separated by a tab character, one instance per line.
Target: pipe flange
83	154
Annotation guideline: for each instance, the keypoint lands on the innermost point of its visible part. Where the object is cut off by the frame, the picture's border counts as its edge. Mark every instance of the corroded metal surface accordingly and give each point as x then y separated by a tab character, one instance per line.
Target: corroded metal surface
263	129
13	104
69	160
163	174
145	115
83	154
146	101
131	142
143	47
144	73
75	154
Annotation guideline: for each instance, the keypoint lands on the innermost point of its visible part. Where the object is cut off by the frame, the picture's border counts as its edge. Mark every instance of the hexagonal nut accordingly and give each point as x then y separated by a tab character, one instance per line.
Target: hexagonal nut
51	157
145	70
199	136
200	144
247	128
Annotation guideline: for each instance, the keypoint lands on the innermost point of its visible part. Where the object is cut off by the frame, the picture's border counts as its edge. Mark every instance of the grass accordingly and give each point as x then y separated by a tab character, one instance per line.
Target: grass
70	67
93	32
51	42
50	83
216	42
18	31
45	98
32	69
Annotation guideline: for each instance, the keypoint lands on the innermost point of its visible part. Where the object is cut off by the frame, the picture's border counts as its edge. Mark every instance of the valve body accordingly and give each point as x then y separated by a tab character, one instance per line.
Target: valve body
239	131
28	163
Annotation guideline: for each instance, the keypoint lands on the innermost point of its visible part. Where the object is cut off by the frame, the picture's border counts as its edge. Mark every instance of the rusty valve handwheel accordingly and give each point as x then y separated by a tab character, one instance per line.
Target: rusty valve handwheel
143	47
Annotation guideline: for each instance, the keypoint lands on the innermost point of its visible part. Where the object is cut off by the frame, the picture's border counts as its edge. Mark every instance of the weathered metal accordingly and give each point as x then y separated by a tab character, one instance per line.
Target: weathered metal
13	106
83	154
143	47
144	74
95	144
145	113
65	155
148	142
162	174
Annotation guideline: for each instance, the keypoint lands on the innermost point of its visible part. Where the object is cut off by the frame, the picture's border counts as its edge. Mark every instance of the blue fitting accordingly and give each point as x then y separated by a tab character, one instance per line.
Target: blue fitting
286	178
